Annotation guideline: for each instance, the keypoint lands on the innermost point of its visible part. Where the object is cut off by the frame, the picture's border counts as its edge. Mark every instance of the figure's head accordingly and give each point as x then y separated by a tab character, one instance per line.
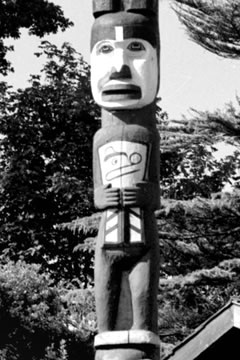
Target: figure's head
124	60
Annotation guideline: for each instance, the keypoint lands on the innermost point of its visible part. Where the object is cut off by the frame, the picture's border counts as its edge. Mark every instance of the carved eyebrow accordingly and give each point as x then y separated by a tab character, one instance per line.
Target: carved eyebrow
117	153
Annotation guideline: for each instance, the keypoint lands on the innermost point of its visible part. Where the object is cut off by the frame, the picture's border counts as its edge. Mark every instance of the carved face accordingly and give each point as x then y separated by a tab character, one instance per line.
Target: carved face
124	72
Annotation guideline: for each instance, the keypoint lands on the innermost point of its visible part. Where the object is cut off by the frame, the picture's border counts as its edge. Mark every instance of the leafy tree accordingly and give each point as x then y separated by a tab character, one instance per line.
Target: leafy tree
199	228
41	17
188	165
212	24
37	317
46	162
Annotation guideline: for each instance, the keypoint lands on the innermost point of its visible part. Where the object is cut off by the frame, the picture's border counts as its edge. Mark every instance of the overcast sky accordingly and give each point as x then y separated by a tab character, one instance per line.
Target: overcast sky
191	77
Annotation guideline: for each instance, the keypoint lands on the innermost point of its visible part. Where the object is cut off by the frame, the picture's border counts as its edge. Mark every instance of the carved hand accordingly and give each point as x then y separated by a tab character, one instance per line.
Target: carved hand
143	195
106	196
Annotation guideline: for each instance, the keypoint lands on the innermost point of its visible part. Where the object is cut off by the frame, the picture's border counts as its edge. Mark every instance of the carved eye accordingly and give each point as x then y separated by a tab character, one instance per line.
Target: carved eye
115	161
136	46
135	158
105	49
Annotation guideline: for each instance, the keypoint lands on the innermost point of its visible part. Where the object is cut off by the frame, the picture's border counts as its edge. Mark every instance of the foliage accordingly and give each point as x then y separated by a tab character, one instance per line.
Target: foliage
199	233
199	228
35	323
46	162
81	310
189	167
39	16
220	125
213	24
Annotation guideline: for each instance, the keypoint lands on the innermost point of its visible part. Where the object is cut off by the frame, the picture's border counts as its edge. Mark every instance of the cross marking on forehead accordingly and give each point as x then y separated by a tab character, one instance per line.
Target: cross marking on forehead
119	33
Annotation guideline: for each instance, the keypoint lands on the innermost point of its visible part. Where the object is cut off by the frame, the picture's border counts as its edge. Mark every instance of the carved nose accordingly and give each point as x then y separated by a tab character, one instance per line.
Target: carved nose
124	73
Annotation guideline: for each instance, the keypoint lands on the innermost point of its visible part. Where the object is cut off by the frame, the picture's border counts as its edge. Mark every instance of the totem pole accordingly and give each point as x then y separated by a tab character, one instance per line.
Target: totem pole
125	79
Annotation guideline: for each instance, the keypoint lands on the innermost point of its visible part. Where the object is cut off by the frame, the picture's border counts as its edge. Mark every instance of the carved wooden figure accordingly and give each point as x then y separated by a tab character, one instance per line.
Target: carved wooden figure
125	80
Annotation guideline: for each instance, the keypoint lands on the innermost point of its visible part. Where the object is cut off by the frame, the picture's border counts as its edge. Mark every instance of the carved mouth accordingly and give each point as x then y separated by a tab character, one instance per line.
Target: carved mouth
117	173
121	92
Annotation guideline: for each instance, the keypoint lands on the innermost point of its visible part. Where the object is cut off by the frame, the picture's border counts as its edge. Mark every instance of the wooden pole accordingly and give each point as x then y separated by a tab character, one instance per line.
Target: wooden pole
125	79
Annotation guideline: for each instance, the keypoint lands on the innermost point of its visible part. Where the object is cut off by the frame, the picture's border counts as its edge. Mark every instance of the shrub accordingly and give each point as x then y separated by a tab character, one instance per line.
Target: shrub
34	323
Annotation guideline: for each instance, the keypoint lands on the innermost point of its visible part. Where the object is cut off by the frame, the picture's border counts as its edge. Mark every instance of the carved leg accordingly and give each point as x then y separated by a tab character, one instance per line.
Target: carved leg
107	291
143	280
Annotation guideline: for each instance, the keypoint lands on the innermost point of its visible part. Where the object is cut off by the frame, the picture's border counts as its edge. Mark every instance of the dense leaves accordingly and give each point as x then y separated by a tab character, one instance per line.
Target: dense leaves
39	16
37	317
198	221
189	166
212	24
46	163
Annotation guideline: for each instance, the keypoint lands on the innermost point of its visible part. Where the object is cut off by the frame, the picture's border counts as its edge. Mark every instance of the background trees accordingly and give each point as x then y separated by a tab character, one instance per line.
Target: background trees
46	162
199	226
38	319
212	24
39	16
198	222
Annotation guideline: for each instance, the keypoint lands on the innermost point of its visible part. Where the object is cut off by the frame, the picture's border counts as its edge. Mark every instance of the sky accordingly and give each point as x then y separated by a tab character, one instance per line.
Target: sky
191	77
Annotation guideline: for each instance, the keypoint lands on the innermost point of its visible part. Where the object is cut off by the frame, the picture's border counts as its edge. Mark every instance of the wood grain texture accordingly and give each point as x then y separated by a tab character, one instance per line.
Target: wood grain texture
148	5
104	6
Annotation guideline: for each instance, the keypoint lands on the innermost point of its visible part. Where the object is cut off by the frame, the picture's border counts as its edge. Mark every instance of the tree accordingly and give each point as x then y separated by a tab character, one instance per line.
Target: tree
38	318
213	24
39	16
188	165
46	162
199	235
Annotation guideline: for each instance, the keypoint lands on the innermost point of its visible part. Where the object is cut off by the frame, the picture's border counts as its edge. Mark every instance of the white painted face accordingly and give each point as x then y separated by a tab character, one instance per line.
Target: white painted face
124	73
